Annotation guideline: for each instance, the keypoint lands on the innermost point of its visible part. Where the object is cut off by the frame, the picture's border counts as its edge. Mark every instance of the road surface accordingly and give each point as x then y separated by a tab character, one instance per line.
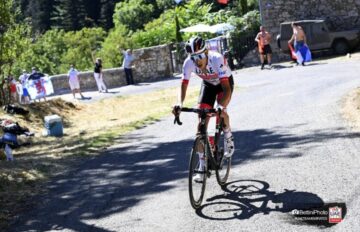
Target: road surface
293	148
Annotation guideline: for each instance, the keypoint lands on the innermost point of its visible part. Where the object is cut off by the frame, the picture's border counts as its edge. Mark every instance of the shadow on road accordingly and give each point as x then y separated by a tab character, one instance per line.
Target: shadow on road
280	66
245	198
123	177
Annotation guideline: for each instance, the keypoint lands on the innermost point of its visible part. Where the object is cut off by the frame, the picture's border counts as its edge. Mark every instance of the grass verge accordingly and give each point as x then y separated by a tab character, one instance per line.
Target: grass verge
88	128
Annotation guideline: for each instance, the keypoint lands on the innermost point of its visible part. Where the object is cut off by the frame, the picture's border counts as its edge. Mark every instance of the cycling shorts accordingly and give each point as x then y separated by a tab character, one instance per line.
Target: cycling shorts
209	93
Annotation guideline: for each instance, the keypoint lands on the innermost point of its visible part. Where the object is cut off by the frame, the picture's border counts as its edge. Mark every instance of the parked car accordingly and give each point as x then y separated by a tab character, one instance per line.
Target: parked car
319	37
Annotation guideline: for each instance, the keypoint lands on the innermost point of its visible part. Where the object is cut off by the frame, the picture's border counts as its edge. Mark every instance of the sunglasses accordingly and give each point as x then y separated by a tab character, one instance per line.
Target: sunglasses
197	57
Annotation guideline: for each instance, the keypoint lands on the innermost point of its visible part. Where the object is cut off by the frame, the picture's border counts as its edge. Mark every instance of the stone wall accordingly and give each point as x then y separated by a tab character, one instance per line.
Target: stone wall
150	64
339	15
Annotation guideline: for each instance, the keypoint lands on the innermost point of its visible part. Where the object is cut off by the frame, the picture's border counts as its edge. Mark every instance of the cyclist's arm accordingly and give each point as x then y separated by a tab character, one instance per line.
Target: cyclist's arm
182	95
188	68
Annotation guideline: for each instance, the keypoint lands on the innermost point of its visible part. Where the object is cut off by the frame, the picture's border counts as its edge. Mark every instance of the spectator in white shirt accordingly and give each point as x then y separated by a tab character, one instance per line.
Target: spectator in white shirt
74	81
25	97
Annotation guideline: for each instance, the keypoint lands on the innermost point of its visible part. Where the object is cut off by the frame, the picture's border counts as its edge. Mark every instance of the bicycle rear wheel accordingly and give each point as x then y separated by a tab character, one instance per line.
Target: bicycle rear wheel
197	185
224	164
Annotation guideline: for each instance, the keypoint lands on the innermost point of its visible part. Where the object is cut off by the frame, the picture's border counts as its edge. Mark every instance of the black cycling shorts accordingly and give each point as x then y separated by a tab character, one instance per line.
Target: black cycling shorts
209	92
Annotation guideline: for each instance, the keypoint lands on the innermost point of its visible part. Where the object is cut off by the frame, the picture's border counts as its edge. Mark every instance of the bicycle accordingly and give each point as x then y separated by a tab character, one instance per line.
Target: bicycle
213	158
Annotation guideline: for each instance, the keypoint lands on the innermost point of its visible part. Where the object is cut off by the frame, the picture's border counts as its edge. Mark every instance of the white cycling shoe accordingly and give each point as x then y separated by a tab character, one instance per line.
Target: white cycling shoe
198	178
229	146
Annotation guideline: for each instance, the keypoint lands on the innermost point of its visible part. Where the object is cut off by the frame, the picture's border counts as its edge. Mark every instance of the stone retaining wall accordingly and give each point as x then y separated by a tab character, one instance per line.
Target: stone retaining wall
150	64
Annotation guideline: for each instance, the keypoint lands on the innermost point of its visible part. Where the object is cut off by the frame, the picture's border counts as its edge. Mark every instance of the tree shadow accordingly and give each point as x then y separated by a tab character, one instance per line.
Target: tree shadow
123	176
242	199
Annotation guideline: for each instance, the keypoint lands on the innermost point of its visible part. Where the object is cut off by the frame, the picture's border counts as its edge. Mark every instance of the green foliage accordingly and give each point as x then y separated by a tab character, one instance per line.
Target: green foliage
133	14
82	48
54	51
163	29
250	22
242	39
14	38
138	23
158	31
110	53
46	52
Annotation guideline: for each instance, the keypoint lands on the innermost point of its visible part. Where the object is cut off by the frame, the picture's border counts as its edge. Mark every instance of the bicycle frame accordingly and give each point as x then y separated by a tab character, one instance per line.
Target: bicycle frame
203	114
213	158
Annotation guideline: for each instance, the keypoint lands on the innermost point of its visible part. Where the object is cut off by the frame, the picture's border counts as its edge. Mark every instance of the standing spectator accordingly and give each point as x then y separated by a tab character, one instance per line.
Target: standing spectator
25	97
98	75
13	92
74	81
35	75
127	63
301	49
35	80
263	38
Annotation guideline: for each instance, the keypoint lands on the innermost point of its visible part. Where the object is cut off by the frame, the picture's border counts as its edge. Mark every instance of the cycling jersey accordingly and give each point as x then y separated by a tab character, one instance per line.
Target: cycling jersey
216	69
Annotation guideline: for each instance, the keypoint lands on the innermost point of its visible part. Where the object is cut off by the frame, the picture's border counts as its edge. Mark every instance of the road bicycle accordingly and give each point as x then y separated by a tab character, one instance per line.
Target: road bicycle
213	149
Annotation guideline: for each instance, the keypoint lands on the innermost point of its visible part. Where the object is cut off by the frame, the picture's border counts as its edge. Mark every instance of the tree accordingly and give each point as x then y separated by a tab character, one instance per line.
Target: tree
69	15
13	41
82	47
133	14
244	6
40	13
106	14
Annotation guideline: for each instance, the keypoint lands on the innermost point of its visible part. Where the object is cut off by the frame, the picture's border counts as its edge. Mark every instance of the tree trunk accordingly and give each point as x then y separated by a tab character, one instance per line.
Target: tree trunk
244	6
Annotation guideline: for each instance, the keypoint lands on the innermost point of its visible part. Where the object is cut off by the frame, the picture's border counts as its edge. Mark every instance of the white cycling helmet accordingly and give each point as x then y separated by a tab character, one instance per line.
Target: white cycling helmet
195	45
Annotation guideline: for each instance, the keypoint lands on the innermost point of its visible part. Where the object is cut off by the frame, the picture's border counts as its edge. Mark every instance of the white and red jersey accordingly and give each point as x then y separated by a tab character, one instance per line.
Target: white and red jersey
216	69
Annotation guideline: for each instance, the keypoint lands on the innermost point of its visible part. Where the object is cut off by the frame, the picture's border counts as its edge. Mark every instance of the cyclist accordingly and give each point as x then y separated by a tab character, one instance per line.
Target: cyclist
217	84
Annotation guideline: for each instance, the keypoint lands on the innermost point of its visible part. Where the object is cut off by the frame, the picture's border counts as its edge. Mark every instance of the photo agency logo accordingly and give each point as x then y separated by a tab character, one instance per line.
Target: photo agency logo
335	214
328	214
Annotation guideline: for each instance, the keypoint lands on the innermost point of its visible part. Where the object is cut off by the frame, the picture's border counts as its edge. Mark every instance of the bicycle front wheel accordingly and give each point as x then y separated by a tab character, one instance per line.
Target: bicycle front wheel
197	172
223	164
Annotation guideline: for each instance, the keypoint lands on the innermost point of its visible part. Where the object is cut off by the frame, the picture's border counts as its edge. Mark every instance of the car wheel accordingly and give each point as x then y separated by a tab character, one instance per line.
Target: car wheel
341	47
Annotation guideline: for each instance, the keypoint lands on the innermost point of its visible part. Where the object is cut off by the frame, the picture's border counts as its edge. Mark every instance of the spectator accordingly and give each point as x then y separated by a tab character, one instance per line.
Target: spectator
25	97
12	87
263	38
35	75
127	63
301	49
74	81
98	75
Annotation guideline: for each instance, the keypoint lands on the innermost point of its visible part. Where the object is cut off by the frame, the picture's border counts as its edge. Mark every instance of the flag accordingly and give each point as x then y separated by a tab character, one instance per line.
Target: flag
302	55
292	52
40	88
223	1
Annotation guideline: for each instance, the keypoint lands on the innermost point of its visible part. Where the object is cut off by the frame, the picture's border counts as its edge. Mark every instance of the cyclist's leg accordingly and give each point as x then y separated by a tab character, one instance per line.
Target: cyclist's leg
206	101
228	138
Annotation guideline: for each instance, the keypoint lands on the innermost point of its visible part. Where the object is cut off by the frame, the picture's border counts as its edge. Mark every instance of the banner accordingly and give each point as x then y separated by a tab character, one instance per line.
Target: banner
40	88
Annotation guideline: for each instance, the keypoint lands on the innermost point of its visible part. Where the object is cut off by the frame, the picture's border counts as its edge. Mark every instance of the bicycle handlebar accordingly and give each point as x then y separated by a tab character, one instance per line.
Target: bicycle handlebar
194	110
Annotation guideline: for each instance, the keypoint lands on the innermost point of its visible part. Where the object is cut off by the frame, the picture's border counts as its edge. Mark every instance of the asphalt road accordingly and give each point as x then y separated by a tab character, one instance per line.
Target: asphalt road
293	148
